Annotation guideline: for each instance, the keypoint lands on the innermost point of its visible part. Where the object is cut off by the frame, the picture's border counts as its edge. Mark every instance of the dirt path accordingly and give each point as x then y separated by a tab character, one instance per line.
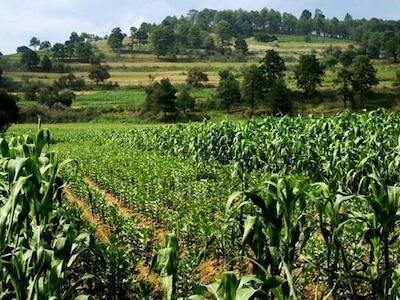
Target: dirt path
126	212
102	230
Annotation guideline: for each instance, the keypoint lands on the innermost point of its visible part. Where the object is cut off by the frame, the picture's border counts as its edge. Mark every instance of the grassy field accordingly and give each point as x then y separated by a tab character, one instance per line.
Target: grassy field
133	72
136	69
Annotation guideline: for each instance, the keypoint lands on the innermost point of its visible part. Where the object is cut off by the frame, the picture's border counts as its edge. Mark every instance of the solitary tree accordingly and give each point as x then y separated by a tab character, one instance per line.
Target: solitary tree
343	83
308	73
196	77
99	73
116	38
8	110
272	67
184	100
228	91
161	96
35	42
253	86
364	76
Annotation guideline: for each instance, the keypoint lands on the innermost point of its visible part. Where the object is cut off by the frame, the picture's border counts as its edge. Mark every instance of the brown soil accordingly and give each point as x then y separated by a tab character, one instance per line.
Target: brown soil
126	212
102	229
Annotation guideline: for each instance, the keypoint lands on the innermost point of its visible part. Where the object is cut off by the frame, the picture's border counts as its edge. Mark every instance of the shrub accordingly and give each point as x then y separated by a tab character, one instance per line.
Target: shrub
8	110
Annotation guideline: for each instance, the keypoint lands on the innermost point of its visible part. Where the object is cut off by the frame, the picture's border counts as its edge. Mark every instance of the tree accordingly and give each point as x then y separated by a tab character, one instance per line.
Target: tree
308	73
51	95
142	35
224	31
272	67
133	30
58	51
45	45
208	43
46	64
23	49
253	86
84	51
163	40
343	83
280	98
116	38
184	100
161	96
364	76
30	59
99	73
195	77
228	91
241	46
69	81
392	48
346	58
9	110
35	42
195	37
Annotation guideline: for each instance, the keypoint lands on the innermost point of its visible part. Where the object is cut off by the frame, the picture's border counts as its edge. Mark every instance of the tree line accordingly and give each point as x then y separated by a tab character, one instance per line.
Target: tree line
265	85
213	30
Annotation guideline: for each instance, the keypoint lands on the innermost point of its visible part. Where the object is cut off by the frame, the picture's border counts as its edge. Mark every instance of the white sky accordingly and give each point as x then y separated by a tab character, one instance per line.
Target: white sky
54	20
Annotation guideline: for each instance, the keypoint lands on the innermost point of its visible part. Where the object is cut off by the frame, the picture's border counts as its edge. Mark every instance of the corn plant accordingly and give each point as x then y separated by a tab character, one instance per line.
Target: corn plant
37	246
332	222
165	263
380	232
273	230
228	287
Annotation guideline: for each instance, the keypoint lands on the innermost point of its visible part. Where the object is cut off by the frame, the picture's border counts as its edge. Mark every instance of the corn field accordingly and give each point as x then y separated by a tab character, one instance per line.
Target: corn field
278	208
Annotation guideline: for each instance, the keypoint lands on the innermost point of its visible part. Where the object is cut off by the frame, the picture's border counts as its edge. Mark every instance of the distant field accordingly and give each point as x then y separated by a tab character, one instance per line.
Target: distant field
139	69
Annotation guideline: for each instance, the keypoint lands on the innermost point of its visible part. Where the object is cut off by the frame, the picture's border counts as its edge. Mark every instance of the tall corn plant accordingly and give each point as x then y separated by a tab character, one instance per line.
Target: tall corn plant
380	232
37	246
273	229
165	262
331	223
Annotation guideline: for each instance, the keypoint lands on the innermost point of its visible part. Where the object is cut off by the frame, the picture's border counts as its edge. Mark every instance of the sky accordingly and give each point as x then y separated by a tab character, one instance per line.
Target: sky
54	20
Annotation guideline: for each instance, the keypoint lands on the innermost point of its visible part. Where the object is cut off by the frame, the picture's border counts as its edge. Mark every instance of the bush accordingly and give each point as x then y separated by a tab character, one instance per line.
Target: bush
9	110
265	37
196	77
70	81
49	96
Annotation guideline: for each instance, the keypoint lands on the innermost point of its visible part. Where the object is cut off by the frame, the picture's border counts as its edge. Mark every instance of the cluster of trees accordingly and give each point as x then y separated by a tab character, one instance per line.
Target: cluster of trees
162	96
31	61
214	30
261	84
55	95
265	85
79	48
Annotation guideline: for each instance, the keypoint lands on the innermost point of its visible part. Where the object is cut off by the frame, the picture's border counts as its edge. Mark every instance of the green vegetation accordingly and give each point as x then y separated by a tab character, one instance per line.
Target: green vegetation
295	228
